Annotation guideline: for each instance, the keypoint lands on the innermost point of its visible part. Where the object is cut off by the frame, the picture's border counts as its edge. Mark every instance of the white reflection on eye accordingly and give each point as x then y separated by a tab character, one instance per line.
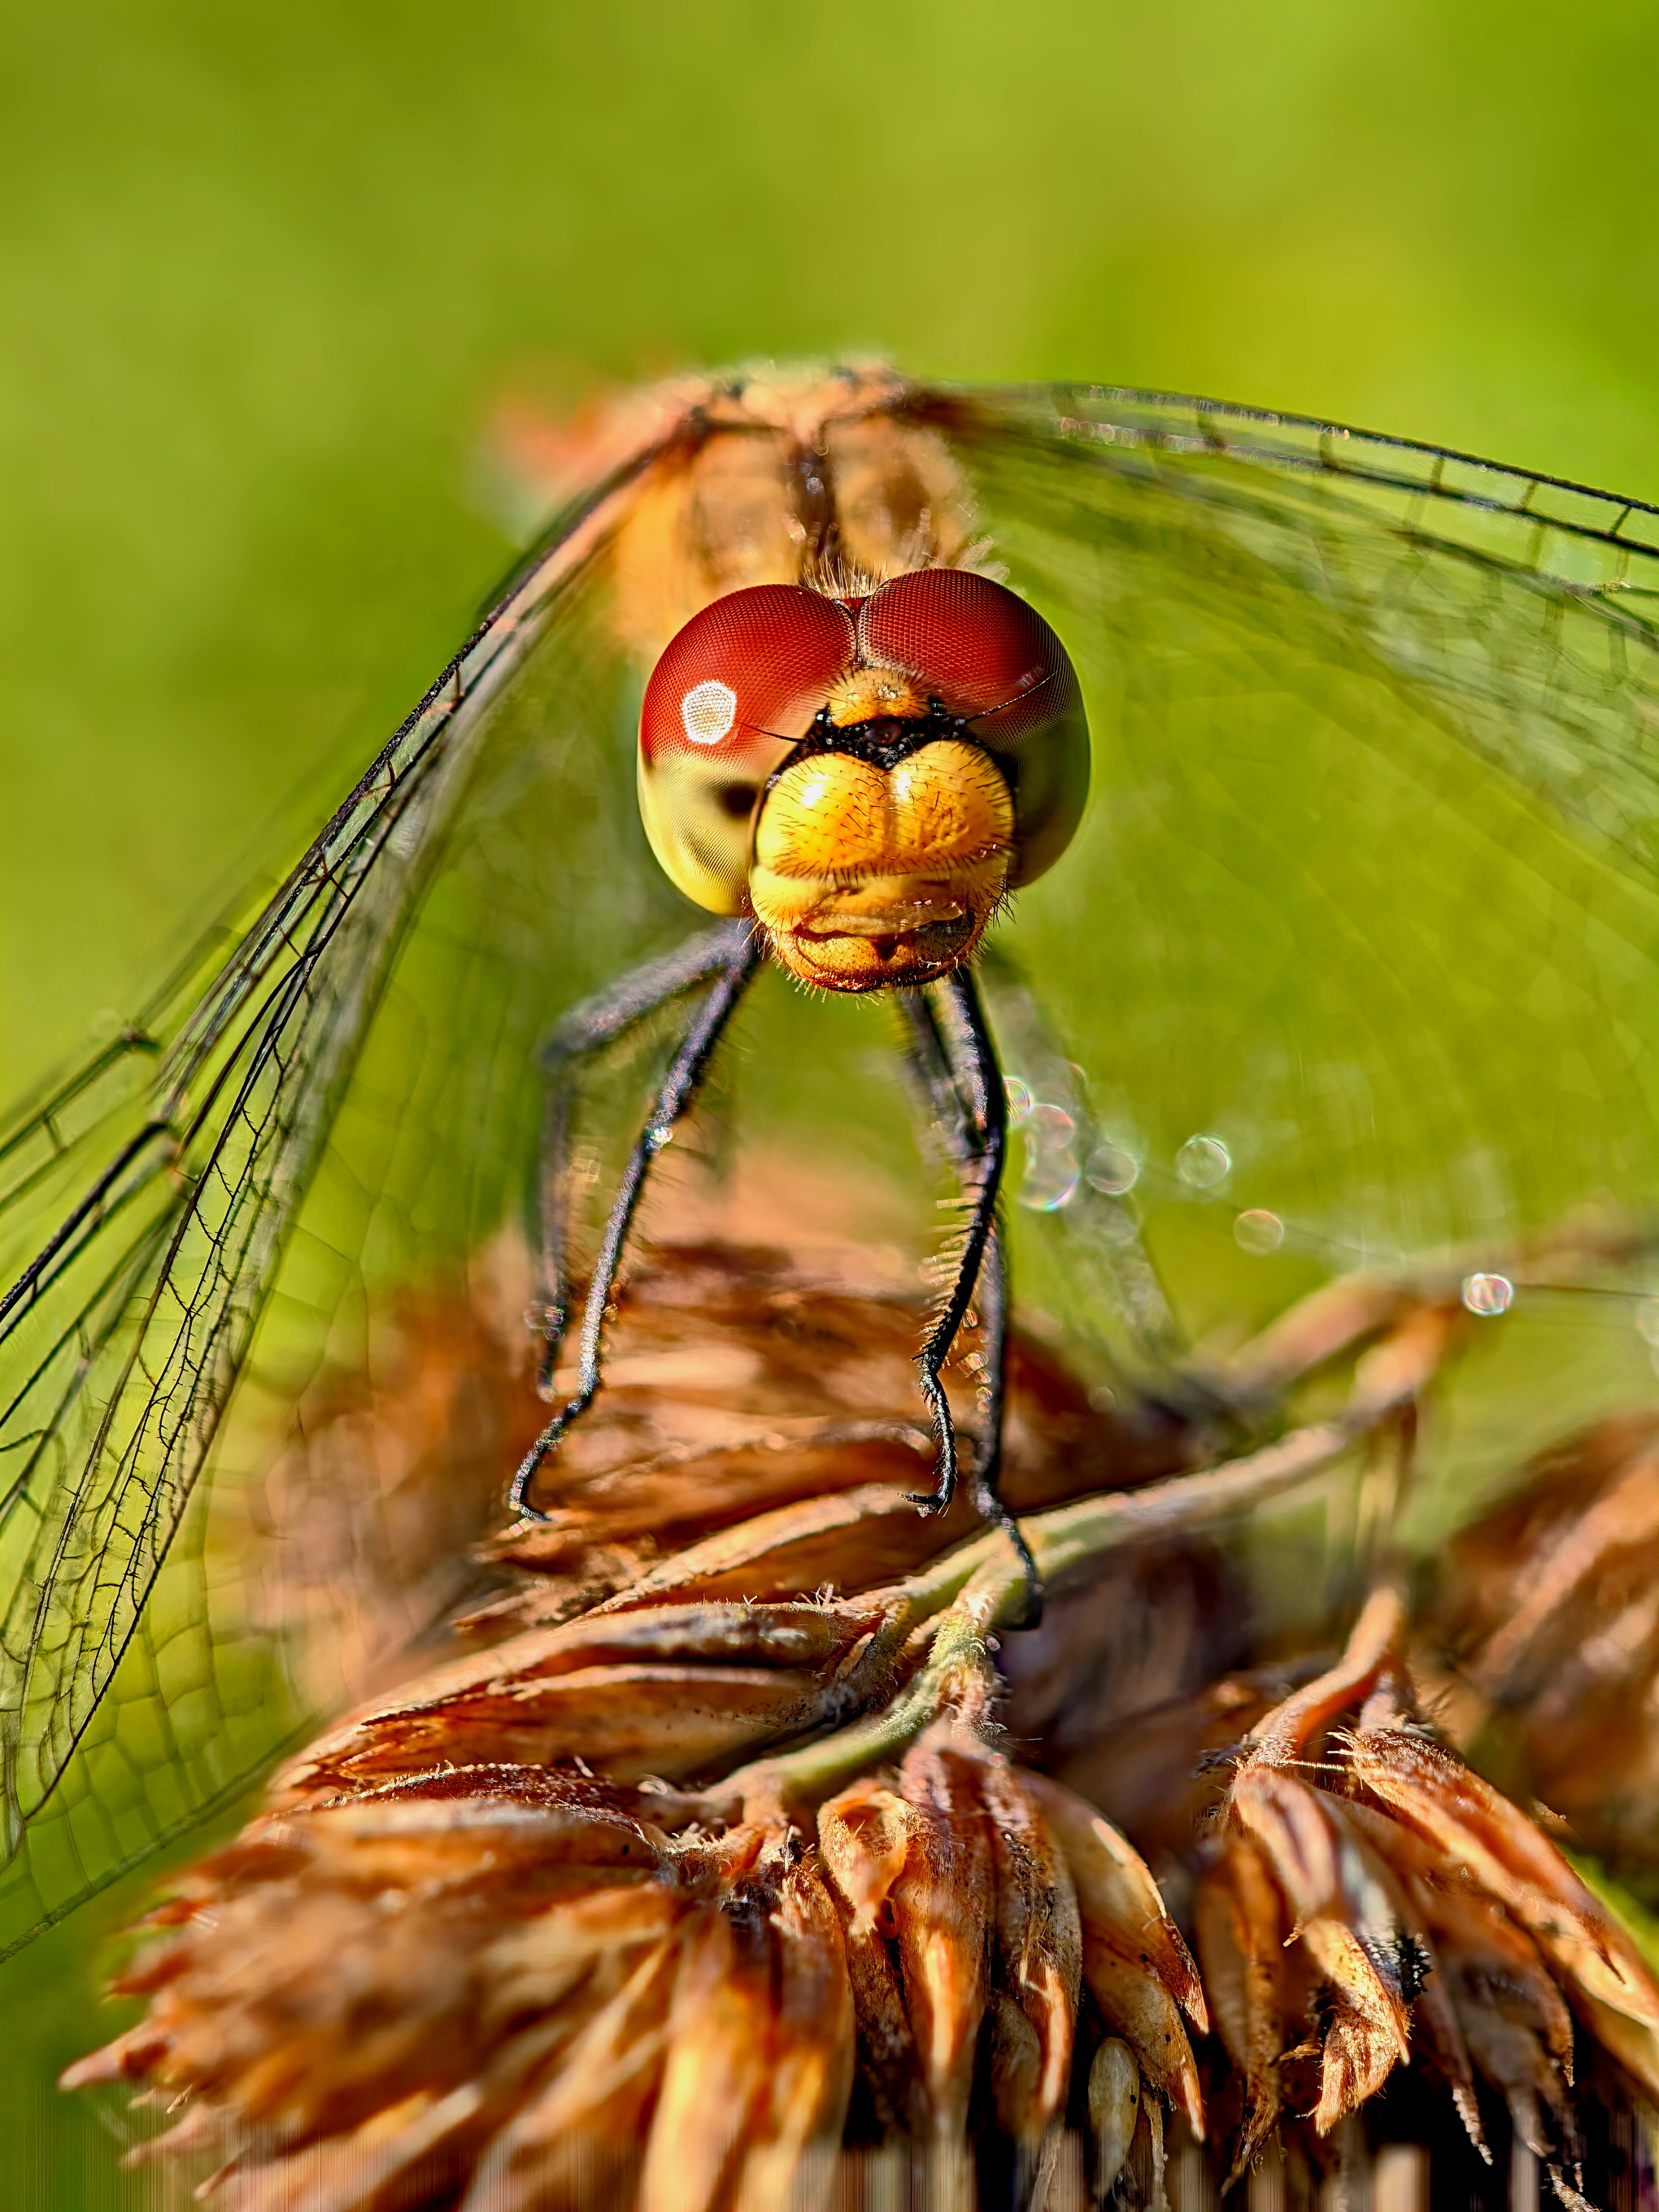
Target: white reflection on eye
707	712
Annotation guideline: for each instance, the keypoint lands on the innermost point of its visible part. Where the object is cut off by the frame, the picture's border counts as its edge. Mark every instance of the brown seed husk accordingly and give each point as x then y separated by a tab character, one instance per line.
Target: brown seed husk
1240	1927
1114	2108
942	1907
864	1839
1040	1946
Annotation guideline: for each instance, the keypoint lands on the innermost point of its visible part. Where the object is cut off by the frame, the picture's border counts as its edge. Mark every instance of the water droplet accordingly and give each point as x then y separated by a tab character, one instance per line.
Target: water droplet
1112	1171
1488	1295
1050	1179
1047	1187
1647	1322
1257	1231
1204	1163
1020	1101
1051	1126
1104	1398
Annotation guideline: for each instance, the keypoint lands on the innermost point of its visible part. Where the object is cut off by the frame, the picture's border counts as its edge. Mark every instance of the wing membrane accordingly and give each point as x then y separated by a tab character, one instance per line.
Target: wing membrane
123	1336
1527	606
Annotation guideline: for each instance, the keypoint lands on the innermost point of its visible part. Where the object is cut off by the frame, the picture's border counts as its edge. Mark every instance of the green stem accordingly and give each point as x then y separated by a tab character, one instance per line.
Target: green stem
966	1594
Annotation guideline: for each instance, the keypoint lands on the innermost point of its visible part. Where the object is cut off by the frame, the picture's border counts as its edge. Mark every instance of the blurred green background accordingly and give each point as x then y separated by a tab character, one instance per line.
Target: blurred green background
266	272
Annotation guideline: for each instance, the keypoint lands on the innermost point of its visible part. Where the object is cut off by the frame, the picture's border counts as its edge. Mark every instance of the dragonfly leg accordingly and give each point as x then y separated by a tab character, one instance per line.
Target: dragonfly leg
585	1030
727	957
951	1053
987	1467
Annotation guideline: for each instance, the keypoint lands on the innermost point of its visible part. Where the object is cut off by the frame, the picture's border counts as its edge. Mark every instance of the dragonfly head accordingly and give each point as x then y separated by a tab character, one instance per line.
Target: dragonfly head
870	778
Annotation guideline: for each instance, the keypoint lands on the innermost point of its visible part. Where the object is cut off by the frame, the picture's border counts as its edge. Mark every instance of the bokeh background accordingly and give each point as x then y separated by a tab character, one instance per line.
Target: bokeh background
265	273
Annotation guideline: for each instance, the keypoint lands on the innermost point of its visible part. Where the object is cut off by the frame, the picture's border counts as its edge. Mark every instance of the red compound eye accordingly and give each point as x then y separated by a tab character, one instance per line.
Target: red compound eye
757	662
973	645
733	694
985	655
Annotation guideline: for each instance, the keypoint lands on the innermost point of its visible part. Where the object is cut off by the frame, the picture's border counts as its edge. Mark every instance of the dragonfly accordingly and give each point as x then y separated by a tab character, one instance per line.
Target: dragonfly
1249	821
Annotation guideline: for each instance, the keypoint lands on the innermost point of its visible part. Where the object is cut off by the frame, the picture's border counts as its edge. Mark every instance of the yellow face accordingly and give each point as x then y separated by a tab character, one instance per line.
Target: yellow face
869	779
866	876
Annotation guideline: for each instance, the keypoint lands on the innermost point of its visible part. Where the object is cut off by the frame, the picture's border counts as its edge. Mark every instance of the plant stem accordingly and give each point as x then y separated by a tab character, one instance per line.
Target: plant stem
965	1595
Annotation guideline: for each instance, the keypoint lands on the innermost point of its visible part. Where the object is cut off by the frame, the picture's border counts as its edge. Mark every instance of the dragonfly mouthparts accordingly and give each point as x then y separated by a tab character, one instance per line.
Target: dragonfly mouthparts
892	922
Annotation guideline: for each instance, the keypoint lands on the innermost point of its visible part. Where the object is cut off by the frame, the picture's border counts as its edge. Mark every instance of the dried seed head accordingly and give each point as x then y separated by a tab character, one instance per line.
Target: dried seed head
1393	1867
697	1864
1546	1620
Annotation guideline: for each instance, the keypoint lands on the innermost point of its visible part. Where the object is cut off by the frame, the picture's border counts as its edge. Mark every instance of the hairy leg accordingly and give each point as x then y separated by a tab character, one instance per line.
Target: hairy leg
950	1052
725	959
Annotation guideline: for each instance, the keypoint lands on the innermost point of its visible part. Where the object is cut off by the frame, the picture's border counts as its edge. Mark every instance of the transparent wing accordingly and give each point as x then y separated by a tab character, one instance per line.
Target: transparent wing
149	1200
1357	955
1527	605
1365	897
